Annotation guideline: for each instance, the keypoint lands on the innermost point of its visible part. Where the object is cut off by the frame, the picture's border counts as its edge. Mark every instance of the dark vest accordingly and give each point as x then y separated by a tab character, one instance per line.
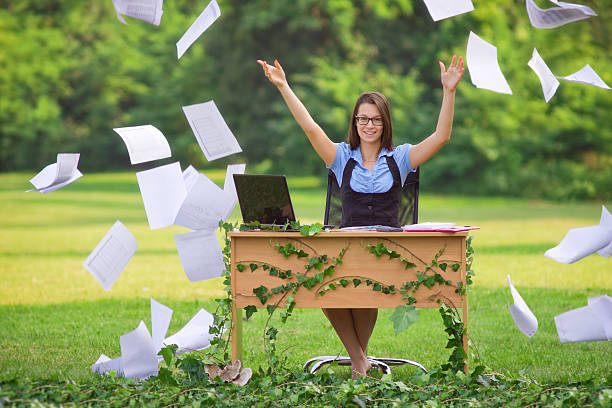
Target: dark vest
360	209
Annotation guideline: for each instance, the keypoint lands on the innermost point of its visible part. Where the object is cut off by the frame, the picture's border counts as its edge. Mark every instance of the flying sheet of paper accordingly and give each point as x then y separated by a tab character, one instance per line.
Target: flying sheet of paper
547	78
160	321
441	9
204	20
205	204
589	323
581	242
557	16
145	10
138	353
112	254
163	191
481	58
214	136
587	76
104	365
230	187
523	317
144	143
194	335
200	254
58	174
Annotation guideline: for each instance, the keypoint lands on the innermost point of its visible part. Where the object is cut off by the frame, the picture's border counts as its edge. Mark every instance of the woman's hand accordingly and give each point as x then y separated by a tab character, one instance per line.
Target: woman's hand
451	78
275	73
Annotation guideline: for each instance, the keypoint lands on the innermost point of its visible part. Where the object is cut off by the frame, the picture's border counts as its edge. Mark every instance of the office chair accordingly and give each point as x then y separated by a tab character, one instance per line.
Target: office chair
408	214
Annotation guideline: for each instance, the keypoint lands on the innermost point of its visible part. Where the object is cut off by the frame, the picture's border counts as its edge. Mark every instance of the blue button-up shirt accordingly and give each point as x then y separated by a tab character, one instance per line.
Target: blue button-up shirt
380	179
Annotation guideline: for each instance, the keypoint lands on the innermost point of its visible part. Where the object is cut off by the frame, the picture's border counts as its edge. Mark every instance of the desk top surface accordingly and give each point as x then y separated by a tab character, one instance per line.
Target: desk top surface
346	234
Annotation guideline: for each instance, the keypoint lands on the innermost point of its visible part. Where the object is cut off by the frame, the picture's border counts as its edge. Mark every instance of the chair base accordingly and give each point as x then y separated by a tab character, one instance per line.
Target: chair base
314	364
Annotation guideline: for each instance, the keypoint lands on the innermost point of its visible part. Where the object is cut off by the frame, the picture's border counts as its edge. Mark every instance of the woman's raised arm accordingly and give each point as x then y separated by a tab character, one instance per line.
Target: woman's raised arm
319	140
450	78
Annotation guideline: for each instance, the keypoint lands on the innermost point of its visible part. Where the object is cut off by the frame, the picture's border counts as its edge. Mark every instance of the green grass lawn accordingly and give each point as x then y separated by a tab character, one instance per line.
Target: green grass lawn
56	319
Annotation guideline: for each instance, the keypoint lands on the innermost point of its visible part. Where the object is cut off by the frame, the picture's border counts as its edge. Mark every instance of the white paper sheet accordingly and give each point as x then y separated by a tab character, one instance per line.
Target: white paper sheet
230	188
163	192
200	255
212	133
145	10
138	353
141	347
104	365
112	254
547	78
586	76
557	16
194	335
485	73
205	203
204	20
441	9
428	225
581	242
160	321
144	143
590	323
190	176
523	317
58	174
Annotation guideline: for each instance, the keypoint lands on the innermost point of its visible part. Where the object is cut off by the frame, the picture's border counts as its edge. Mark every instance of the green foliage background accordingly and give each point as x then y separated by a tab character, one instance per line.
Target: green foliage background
70	72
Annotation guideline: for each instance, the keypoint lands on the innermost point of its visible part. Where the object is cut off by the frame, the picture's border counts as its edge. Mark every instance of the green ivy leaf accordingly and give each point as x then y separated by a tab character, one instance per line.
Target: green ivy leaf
403	317
253	267
356	282
240	267
249	311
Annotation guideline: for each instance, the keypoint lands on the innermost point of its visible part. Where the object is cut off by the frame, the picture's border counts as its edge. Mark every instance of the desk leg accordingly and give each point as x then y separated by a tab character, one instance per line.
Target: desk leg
236	334
465	334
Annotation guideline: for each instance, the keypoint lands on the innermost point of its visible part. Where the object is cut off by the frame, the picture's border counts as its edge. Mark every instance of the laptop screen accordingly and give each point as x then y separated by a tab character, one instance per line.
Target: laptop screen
264	198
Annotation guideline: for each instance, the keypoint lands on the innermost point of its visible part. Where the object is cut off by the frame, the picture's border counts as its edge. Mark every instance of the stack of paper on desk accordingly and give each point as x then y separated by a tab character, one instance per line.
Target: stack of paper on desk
437	227
581	242
590	323
139	350
557	16
145	10
57	175
144	143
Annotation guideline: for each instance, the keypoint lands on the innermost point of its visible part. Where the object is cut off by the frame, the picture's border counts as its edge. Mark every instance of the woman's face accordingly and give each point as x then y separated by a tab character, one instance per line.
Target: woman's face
370	132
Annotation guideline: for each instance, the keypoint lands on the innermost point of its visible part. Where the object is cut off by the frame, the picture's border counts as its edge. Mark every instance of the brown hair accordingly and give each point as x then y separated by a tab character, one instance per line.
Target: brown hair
378	99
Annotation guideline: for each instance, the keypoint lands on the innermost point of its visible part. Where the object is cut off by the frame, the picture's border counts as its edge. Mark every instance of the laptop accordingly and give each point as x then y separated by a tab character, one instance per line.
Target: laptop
264	198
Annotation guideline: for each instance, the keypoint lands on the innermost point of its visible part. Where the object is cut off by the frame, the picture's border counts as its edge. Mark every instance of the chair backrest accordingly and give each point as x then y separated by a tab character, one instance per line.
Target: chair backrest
409	200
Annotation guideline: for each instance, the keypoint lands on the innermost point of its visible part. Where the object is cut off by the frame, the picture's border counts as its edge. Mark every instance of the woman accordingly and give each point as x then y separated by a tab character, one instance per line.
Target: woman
370	173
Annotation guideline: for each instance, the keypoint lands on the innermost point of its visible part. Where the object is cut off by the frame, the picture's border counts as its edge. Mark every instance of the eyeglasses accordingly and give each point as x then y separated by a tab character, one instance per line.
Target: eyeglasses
364	120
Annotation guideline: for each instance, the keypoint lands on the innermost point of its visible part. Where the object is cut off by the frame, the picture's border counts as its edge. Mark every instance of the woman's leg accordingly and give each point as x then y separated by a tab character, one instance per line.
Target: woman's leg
364	320
343	322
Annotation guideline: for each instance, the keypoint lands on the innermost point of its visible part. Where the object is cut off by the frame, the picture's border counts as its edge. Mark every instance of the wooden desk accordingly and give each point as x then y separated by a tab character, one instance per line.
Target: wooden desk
419	248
